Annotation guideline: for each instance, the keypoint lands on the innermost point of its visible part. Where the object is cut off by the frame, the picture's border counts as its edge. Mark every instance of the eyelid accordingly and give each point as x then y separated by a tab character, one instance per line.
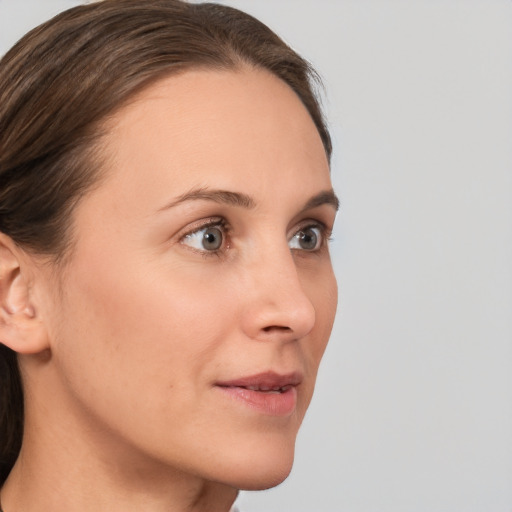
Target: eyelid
313	223
202	224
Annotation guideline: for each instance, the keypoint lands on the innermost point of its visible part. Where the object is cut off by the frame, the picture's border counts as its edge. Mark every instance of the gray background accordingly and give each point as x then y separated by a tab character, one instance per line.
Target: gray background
413	410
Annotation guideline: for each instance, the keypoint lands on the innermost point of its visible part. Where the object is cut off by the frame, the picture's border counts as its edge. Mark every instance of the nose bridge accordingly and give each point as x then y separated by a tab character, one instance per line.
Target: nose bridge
278	304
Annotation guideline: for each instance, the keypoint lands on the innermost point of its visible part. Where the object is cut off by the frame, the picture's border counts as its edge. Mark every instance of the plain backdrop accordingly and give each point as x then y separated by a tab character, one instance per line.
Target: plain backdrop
413	409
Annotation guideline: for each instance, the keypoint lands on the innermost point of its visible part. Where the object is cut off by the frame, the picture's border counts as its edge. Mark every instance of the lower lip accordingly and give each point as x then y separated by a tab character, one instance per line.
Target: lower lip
266	402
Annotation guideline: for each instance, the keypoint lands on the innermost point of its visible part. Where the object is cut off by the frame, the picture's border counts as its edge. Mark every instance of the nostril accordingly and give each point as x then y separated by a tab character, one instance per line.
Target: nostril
277	328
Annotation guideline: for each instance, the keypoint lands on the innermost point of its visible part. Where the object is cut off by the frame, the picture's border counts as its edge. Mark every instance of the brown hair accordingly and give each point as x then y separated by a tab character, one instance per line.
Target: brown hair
61	81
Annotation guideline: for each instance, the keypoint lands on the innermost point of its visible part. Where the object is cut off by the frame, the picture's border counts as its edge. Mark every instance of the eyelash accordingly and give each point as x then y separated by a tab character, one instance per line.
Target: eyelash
223	226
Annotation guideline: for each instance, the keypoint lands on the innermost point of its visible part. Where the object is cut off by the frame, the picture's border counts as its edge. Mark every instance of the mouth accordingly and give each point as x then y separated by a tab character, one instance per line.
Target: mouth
264	389
268	393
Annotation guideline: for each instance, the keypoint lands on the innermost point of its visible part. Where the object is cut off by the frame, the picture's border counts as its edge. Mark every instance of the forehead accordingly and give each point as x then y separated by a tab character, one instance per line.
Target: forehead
217	128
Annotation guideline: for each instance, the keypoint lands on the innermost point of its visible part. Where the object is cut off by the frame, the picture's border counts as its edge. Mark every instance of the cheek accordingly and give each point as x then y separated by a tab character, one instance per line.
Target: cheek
322	289
135	351
138	330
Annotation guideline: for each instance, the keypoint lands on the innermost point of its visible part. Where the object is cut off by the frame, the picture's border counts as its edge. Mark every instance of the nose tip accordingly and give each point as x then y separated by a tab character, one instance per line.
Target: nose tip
280	309
294	324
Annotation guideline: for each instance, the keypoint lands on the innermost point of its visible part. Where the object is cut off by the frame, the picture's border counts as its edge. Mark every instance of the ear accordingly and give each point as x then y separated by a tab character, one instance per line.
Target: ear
21	328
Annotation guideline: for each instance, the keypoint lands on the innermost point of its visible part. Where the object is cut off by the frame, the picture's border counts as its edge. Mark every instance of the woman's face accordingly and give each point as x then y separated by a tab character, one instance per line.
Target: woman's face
200	296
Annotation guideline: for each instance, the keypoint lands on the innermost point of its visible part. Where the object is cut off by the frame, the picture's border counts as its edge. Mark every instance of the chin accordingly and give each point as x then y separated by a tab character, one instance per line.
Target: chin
267	480
264	468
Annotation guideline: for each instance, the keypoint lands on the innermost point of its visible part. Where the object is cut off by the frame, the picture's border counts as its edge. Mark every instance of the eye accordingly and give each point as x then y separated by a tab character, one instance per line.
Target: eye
209	238
309	238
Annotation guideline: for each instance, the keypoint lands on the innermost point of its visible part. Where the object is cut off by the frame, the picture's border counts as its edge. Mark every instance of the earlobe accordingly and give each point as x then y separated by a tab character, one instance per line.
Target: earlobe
20	328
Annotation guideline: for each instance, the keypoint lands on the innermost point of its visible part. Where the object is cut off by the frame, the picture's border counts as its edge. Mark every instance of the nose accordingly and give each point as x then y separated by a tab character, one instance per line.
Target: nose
275	303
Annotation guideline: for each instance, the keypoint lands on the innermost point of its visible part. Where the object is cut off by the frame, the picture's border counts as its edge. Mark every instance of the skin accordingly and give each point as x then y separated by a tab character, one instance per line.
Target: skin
127	343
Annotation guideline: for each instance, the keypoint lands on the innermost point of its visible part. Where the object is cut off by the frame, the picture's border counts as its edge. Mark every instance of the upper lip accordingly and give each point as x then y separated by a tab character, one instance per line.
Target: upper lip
265	381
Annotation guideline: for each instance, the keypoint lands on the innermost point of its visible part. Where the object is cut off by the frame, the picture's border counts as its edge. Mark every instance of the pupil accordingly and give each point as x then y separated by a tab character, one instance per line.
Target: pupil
308	239
212	239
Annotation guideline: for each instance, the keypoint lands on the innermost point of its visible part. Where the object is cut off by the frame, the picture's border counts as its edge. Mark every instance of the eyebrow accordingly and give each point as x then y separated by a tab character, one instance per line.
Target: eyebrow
217	196
245	201
327	197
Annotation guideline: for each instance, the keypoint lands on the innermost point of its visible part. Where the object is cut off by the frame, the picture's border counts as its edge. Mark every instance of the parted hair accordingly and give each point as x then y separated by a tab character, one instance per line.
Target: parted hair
60	84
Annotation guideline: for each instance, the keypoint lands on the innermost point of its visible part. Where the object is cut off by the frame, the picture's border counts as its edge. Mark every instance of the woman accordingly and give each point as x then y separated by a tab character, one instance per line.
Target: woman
166	287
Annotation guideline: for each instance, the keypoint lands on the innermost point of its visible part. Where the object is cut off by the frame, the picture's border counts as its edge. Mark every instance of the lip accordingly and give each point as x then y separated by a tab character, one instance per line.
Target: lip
268	393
